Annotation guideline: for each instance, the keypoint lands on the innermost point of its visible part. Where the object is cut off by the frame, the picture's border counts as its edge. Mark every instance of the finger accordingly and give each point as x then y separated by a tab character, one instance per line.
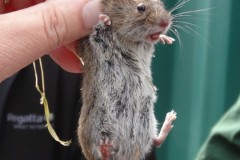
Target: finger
91	13
78	18
169	41
67	60
161	40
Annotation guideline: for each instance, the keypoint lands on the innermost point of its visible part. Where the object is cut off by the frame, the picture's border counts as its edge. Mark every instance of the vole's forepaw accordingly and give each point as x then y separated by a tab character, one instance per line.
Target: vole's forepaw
107	148
105	19
166	128
166	39
170	117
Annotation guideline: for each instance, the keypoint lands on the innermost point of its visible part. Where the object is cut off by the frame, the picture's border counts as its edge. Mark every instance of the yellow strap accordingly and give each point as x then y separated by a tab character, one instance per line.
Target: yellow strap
44	102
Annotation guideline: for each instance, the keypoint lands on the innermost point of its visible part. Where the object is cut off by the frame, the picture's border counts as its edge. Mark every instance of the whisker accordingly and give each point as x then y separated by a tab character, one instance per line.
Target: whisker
174	6
202	11
180	16
182	49
190	18
199	35
188	23
179	5
182	28
188	29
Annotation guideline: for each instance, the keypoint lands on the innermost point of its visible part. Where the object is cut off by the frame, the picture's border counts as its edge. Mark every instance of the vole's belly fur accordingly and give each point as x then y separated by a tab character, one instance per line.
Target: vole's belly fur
118	98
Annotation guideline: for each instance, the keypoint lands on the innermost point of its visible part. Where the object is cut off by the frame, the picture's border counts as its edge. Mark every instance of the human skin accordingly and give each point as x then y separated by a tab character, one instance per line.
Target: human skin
33	32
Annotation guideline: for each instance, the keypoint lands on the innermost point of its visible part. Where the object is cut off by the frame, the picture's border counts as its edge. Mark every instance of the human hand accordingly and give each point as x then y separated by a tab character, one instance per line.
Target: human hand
64	55
30	33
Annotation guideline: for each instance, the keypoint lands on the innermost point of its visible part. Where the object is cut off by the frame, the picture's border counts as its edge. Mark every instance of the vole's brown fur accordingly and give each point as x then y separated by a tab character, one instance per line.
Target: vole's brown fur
117	119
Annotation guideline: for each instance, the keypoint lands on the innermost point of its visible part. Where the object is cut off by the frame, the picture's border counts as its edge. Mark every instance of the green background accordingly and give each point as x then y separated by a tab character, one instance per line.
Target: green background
199	79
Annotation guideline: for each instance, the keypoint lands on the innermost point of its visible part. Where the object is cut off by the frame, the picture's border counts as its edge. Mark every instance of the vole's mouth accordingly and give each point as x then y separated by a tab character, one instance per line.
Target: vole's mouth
154	37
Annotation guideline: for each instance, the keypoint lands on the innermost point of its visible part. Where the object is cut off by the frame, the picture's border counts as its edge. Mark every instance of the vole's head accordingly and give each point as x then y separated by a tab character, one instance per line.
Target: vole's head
138	20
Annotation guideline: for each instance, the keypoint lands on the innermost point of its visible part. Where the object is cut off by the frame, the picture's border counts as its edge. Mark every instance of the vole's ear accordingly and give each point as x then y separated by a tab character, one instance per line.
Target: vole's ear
105	19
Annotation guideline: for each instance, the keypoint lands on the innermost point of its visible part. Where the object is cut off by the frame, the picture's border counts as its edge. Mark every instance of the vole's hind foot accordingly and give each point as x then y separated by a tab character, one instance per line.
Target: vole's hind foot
166	128
107	149
166	39
105	19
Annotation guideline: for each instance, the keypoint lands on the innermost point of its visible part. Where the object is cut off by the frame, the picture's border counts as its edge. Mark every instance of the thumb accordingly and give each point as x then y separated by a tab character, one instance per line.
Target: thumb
79	18
91	13
89	17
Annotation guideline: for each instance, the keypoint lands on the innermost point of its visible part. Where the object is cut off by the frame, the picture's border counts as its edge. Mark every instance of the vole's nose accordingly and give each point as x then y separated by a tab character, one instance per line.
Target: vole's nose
164	23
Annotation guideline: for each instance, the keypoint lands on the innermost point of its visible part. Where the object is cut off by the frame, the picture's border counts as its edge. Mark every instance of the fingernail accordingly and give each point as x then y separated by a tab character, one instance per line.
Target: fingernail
91	12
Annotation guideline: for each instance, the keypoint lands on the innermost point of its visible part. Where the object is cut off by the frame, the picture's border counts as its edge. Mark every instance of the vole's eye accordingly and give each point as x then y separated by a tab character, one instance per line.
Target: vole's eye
141	7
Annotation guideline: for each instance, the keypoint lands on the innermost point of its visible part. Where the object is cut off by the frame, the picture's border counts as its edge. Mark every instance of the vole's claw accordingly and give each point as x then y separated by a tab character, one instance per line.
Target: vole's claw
166	39
171	116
